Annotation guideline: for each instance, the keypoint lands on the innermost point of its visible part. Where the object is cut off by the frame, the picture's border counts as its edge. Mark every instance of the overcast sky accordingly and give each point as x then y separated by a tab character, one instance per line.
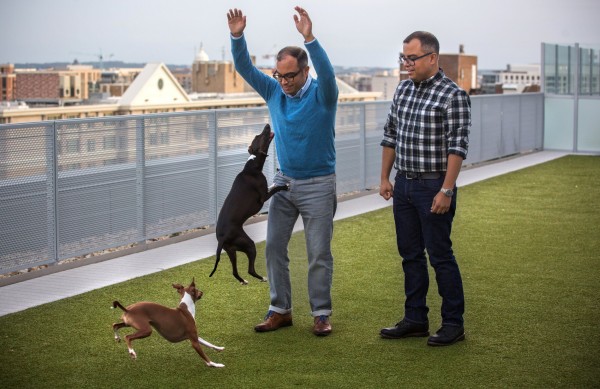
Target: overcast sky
354	32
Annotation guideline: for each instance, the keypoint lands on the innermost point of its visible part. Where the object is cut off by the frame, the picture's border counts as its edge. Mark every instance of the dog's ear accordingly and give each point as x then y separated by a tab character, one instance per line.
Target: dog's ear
178	286
193	282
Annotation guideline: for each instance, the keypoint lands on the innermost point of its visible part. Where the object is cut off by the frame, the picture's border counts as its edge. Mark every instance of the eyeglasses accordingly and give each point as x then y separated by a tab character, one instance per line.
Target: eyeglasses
406	61
289	77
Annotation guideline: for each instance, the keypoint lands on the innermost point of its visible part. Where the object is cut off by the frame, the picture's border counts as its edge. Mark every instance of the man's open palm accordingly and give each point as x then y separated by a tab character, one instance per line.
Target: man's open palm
236	21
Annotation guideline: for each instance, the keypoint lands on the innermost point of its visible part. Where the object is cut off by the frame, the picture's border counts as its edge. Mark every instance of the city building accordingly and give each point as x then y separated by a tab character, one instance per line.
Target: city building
114	82
7	82
154	86
55	87
383	82
184	77
155	89
210	76
514	79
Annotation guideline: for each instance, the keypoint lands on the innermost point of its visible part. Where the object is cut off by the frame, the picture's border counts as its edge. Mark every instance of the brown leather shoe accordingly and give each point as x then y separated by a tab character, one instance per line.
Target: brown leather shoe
322	326
274	321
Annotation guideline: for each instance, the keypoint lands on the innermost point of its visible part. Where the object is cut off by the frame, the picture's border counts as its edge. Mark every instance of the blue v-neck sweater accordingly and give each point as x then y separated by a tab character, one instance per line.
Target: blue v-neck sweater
303	126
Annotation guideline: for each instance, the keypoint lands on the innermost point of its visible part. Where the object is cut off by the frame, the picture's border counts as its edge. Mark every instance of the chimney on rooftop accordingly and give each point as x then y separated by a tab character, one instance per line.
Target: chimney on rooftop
461	49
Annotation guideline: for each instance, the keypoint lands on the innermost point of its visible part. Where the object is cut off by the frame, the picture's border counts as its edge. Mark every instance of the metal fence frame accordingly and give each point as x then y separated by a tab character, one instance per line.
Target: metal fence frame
571	85
77	186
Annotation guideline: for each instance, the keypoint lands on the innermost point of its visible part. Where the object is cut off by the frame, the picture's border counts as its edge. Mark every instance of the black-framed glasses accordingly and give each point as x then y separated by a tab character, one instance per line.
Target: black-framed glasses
408	61
289	77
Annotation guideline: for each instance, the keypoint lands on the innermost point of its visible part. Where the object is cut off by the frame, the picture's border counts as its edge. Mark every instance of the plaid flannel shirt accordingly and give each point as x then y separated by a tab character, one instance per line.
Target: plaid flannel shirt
426	122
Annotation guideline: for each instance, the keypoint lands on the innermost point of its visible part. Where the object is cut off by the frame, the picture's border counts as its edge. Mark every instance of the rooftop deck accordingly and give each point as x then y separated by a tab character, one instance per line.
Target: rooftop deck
63	284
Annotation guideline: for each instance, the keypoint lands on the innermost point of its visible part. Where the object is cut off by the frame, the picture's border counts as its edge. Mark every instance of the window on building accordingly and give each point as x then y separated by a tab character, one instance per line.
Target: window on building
72	146
110	142
123	142
164	138
153	139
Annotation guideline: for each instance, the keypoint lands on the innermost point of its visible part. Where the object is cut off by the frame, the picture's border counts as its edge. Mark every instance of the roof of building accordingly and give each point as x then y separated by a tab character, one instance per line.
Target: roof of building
154	85
201	56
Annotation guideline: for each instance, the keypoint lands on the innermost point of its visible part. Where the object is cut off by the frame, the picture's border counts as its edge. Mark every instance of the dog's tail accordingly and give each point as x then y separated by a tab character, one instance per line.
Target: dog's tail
118	304
219	248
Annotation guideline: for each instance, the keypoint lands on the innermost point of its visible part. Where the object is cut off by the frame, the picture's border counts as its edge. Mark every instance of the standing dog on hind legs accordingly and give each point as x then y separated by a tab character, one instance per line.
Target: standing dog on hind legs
175	325
248	193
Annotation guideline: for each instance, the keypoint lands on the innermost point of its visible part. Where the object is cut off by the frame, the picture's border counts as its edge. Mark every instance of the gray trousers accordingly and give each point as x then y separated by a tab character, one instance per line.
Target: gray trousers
315	200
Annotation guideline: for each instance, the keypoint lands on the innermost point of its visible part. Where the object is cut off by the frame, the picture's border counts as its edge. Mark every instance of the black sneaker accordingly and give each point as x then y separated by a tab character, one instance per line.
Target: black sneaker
447	335
405	329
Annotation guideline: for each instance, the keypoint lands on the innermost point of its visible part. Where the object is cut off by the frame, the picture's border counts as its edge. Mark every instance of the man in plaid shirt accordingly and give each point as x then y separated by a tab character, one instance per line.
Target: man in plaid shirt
426	140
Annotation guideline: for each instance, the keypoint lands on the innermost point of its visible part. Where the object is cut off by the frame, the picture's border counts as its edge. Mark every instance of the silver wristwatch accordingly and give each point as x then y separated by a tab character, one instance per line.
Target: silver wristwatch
447	192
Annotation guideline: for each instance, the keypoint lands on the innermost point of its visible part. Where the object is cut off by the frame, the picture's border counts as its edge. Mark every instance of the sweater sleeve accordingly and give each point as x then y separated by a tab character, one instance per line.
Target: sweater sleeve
328	90
262	83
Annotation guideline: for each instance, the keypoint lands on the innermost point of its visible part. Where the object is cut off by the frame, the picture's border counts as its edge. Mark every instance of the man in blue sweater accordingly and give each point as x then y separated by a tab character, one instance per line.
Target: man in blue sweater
302	112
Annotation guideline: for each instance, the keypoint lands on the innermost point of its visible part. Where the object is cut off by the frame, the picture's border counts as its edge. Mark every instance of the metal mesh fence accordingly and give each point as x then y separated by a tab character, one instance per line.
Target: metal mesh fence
73	187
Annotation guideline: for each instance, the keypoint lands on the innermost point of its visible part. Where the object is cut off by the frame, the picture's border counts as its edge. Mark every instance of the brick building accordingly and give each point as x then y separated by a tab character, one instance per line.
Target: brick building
7	82
56	87
216	76
38	86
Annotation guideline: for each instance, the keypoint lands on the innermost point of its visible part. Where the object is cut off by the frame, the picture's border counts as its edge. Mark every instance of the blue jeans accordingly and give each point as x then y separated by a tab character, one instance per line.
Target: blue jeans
315	200
417	230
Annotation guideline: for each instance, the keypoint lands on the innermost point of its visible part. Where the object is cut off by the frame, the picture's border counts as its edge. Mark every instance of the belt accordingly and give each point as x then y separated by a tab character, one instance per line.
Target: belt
420	176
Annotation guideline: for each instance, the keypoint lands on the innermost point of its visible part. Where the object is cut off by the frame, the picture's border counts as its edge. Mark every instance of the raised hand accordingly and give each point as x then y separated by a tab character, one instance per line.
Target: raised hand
236	21
303	24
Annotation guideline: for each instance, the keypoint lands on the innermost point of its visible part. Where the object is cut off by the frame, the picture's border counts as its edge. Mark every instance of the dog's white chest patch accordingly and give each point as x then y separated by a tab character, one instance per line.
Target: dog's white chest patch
250	158
187	300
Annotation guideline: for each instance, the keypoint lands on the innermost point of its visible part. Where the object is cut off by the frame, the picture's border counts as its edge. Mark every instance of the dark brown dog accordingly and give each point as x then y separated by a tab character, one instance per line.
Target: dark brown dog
248	193
175	325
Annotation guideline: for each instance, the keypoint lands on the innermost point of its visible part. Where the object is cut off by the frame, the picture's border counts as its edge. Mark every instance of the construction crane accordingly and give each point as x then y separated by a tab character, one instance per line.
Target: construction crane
272	54
99	55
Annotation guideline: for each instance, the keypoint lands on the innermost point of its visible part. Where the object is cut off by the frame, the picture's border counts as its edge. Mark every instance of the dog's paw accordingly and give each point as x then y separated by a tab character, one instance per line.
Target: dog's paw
214	364
218	348
264	279
117	338
244	282
132	354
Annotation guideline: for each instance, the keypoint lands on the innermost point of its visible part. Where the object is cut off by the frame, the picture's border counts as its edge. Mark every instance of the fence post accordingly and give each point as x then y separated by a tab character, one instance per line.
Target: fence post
576	97
213	141
363	146
52	191
140	174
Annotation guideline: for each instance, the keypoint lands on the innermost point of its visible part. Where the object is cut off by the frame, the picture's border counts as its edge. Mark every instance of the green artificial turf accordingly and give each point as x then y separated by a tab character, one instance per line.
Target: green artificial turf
528	245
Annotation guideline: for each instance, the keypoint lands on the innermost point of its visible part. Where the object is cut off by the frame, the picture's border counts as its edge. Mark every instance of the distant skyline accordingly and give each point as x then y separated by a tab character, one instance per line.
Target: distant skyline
354	32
